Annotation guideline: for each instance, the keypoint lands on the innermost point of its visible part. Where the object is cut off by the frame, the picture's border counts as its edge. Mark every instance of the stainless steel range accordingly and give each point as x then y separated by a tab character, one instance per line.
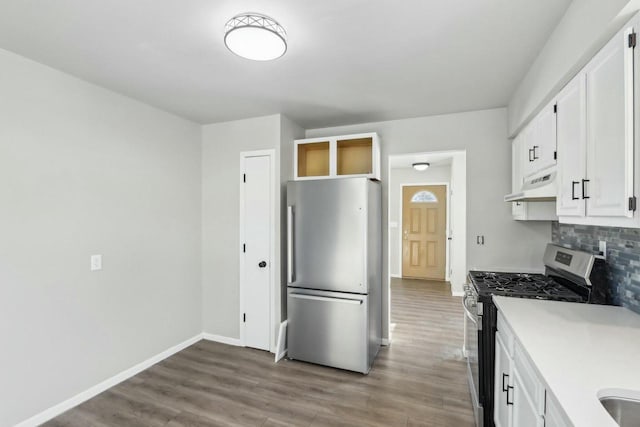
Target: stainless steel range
570	276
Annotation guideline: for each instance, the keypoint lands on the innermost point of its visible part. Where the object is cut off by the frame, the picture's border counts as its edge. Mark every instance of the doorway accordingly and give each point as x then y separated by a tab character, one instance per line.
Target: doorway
257	254
424	231
446	169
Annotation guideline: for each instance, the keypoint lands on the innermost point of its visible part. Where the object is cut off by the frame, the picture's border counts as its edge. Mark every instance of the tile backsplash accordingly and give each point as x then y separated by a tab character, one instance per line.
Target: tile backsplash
623	256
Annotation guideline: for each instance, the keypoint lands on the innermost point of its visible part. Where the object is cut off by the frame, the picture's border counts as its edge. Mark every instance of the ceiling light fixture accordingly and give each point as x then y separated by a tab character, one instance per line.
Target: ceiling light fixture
255	36
421	166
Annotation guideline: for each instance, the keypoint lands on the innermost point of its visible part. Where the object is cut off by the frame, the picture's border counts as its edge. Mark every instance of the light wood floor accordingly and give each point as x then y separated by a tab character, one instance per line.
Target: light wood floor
420	380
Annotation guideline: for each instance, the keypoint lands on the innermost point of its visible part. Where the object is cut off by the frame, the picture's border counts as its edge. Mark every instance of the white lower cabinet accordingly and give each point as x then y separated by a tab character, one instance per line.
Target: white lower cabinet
525	408
502	382
554	416
520	399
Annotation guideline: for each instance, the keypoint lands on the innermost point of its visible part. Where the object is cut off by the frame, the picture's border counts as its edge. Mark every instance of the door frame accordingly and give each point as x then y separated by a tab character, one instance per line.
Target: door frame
273	261
448	233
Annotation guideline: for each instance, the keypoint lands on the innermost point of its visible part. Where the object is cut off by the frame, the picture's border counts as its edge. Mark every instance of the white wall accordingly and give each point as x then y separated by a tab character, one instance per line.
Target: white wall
582	31
483	134
86	171
399	176
459	208
222	144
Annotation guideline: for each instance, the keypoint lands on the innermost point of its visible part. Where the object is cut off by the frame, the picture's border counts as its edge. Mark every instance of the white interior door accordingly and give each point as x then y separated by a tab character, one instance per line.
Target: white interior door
572	145
257	265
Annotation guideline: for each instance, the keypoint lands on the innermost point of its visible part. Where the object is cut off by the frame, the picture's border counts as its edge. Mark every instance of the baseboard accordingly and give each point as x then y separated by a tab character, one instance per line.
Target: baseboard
58	409
397	276
457	293
222	339
385	341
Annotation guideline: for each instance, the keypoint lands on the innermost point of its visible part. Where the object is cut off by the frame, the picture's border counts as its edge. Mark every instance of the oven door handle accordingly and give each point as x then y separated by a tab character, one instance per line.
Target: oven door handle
468	312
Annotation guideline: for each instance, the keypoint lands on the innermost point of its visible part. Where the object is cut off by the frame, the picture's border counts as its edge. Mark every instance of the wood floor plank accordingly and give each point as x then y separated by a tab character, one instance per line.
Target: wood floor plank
420	380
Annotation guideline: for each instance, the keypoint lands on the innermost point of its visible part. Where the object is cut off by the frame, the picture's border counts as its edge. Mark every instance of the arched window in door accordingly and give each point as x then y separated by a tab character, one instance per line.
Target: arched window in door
424	197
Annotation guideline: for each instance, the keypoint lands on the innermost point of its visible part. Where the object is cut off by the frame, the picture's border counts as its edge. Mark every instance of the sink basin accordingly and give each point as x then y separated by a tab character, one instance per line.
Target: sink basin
623	407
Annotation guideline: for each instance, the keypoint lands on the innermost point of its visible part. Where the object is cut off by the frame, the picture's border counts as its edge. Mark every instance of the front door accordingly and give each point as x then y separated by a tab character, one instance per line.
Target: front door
424	231
256	221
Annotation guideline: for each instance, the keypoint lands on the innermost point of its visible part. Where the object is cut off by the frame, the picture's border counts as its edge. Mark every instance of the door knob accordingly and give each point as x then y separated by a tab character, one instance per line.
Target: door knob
262	264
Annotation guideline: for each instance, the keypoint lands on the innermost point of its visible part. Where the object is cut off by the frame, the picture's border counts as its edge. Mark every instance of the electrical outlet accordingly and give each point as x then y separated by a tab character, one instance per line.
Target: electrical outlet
602	248
96	262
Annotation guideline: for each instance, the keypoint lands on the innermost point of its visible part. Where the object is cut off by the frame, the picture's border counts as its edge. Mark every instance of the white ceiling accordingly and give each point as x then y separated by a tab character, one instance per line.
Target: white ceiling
348	61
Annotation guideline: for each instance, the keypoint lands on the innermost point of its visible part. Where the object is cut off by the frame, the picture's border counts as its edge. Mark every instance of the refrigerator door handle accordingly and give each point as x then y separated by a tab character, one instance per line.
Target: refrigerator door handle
319	298
290	271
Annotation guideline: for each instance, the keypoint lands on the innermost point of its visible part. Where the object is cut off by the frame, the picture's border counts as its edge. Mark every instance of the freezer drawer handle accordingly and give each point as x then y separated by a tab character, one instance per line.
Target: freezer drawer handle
290	272
319	298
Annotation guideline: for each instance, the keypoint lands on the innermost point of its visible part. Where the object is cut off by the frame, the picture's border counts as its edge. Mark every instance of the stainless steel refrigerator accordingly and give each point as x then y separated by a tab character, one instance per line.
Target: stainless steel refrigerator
334	272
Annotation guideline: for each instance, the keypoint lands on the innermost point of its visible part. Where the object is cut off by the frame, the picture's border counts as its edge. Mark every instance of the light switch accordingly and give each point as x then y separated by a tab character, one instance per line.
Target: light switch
96	262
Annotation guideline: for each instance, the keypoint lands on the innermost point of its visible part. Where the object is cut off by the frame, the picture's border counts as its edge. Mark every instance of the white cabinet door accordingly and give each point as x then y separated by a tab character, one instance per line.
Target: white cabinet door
526	150
525	413
610	162
539	142
553	415
572	141
501	410
544	139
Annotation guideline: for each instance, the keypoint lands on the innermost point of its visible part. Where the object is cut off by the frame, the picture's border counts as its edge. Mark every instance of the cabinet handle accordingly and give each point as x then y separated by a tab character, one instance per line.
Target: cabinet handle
530	153
509	388
584	196
573	190
504	387
535	156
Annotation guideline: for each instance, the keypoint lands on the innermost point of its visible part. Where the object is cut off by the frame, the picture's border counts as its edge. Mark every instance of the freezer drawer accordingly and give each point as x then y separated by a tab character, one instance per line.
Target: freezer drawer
329	328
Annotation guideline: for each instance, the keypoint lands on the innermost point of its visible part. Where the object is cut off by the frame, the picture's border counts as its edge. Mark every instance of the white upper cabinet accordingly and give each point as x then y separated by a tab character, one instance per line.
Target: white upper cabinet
539	142
595	132
610	129
543	143
526	211
527	155
572	140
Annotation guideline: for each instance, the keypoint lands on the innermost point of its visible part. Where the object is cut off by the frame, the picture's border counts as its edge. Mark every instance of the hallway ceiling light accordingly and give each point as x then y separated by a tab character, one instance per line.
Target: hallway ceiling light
255	36
421	166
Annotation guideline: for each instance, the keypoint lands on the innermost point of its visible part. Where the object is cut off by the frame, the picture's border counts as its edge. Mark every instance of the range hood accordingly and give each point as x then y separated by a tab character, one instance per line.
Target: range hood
539	188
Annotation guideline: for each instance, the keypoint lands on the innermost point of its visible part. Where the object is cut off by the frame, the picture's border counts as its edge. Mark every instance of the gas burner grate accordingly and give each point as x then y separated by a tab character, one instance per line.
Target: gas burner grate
521	285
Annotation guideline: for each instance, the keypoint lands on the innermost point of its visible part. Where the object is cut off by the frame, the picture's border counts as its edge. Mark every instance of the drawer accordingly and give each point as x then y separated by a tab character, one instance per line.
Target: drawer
529	377
506	334
328	328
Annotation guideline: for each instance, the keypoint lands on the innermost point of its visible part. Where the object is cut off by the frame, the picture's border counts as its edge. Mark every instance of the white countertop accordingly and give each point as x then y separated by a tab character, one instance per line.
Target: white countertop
580	350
